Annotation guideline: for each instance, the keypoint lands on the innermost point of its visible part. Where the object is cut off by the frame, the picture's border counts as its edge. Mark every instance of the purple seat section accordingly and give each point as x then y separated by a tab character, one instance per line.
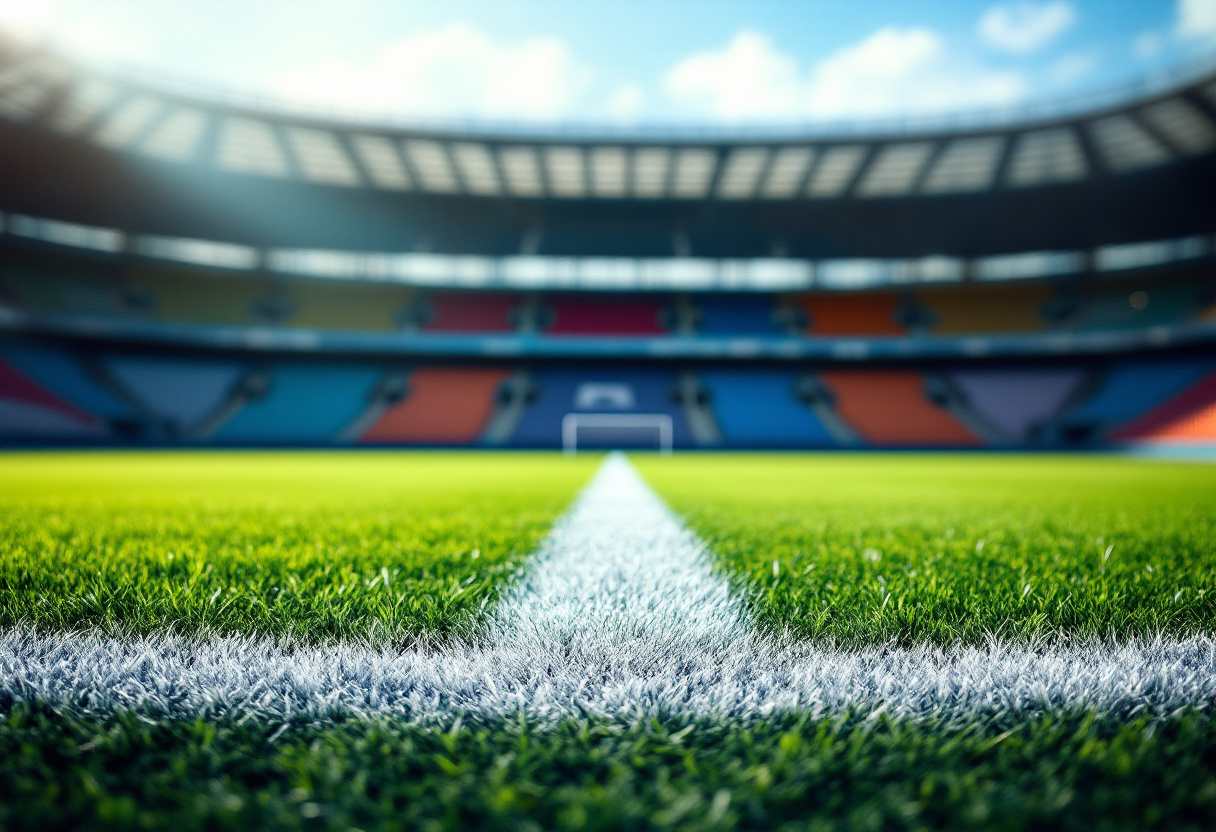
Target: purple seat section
1016	401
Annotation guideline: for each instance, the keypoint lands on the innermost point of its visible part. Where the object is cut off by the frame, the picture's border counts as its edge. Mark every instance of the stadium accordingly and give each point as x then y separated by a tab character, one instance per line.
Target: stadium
317	513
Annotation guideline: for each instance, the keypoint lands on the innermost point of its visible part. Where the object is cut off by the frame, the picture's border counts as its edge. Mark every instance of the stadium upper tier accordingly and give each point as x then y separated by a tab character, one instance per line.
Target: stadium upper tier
161	169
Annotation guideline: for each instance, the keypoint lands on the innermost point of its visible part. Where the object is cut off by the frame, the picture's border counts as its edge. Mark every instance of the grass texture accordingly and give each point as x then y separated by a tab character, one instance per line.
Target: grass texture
907	549
317	546
1059	771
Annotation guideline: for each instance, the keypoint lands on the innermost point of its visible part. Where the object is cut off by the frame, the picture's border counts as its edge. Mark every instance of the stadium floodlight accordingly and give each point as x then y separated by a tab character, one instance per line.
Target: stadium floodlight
128	121
895	169
658	425
88	100
787	172
177	136
741	173
1126	145
832	176
1183	124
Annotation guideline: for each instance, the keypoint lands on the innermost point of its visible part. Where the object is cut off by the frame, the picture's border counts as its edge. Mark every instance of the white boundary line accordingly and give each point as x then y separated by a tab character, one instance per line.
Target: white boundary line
619	615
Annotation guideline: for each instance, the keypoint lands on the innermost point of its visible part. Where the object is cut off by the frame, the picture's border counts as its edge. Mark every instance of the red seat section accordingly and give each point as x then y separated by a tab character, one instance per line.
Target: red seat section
27	409
469	312
605	316
889	407
444	406
1189	416
861	313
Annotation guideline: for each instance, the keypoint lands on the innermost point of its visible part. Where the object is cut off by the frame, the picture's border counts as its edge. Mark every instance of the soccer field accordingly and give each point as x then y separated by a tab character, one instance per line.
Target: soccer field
448	641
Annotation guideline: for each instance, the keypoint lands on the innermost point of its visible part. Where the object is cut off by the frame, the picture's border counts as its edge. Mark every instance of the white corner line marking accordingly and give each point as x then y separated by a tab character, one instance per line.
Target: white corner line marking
619	614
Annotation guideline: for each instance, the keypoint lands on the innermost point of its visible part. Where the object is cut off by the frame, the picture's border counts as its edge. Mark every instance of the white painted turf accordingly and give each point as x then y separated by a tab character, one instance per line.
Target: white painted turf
619	615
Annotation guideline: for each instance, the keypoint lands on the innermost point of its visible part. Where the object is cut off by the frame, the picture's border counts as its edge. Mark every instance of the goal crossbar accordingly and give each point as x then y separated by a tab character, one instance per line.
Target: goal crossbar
573	422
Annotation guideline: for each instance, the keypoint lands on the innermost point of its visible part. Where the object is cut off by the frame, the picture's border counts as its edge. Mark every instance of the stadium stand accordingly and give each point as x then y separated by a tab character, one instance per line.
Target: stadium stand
758	409
180	394
1129	390
45	282
967	310
27	410
701	287
355	307
1189	416
557	392
302	404
461	312
582	315
441	406
889	408
860	313
206	297
737	315
1019	403
61	373
1142	303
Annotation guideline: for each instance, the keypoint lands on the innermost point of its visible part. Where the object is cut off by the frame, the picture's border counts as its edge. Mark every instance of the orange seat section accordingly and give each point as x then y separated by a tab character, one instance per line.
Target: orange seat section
962	310
1188	417
889	407
443	406
862	313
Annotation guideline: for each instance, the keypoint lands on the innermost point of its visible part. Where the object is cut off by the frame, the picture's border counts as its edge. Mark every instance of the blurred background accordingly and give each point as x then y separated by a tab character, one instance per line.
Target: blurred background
609	224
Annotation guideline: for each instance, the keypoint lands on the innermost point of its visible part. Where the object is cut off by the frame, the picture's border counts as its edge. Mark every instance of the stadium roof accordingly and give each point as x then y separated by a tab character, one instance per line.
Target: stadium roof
127	155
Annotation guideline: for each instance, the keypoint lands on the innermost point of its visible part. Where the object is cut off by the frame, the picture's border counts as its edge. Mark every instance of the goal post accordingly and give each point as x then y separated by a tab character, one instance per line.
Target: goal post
658	425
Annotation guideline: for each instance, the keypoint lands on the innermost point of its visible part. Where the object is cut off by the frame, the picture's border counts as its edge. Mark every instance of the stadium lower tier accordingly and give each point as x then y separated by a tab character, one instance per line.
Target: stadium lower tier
59	392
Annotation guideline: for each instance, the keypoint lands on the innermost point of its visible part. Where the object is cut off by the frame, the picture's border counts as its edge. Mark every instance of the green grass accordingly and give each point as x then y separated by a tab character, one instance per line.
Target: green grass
320	546
862	549
868	549
1064	771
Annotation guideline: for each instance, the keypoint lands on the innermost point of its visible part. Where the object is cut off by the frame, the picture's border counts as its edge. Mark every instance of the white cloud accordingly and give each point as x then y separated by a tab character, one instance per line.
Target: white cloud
892	72
1025	27
87	33
456	70
1197	18
748	78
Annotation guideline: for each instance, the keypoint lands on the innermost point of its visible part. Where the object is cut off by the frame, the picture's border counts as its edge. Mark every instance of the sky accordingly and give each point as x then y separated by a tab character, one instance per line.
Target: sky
632	62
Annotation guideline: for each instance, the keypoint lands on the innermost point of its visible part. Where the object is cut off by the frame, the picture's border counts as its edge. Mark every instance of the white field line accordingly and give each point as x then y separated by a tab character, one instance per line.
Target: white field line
619	615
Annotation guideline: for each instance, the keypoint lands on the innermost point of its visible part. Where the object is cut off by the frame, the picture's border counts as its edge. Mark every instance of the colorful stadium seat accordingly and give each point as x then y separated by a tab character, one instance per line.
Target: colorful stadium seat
604	316
889	407
851	313
180	393
1133	388
758	409
442	406
738	315
304	405
59	372
364	307
1017	402
187	296
468	312
28	411
1189	416
965	310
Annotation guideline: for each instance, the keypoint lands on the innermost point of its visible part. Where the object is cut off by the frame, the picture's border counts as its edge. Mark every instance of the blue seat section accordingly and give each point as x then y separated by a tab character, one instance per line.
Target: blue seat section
758	410
1136	387
58	371
559	392
182	393
737	315
305	404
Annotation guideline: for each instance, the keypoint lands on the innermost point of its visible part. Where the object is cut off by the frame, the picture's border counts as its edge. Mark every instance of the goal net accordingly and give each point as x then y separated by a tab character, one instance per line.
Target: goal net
616	431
